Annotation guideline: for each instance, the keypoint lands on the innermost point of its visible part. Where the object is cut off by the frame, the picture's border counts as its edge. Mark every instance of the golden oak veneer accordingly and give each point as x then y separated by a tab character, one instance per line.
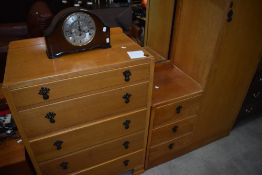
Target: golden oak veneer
175	106
72	111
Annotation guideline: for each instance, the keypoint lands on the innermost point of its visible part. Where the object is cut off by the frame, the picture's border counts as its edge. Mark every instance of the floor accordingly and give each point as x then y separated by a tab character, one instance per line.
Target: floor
238	154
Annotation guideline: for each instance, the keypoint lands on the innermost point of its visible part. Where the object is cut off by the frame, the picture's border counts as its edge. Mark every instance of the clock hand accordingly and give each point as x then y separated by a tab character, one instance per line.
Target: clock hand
79	28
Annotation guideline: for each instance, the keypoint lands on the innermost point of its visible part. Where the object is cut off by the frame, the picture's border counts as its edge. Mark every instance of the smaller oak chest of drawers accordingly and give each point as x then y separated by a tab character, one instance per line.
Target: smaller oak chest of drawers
173	114
84	113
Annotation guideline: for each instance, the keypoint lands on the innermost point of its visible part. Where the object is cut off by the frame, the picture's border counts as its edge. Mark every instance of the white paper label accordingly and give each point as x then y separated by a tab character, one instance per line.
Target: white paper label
136	54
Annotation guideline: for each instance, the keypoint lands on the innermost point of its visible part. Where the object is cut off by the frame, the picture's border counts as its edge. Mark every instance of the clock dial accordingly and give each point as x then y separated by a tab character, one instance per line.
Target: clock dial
79	28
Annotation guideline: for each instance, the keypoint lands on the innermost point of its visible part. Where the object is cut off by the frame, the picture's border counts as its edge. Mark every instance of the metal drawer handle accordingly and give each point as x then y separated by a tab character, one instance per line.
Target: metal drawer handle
126	162
178	109
126	97
230	15
64	165
51	117
127	75
58	144
44	91
174	129
126	144
171	146
126	124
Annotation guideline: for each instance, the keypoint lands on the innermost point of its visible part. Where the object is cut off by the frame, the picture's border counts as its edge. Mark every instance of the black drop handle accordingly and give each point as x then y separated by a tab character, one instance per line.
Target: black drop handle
58	144
126	124
174	129
127	75
64	165
171	146
230	15
126	162
44	91
51	117
126	144
178	109
126	97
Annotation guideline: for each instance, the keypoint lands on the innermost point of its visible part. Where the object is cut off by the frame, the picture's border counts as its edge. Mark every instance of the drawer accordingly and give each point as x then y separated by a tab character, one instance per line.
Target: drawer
31	95
82	110
175	111
166	151
116	166
88	135
172	131
90	157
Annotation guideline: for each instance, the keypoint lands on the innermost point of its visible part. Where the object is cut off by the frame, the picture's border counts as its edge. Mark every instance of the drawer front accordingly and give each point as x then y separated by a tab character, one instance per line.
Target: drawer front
86	136
95	155
55	90
172	131
116	166
37	121
166	151
175	111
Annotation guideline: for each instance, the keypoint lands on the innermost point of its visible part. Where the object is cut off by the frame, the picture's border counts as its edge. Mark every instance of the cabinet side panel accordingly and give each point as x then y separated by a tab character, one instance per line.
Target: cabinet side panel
196	31
148	129
15	115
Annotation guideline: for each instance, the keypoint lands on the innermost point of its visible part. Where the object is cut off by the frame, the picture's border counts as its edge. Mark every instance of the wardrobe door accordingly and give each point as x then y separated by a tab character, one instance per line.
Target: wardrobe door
236	58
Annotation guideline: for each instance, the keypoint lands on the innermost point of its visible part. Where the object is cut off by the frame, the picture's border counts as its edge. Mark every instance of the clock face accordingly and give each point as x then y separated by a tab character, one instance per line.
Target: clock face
79	28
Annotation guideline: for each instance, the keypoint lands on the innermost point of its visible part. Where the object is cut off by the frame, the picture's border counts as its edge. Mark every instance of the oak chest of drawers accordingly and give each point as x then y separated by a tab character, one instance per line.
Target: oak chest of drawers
85	113
173	115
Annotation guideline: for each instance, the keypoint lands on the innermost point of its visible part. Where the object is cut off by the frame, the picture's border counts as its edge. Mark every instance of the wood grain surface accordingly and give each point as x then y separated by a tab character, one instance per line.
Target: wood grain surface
159	26
116	166
94	155
167	150
171	84
176	111
81	84
29	57
88	135
196	32
84	109
237	57
165	133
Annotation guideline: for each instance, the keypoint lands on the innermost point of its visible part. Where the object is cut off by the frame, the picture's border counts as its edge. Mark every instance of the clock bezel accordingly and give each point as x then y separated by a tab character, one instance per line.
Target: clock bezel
68	18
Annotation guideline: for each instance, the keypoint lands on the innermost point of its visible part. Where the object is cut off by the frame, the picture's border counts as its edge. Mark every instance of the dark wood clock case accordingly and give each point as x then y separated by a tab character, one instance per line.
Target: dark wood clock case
57	45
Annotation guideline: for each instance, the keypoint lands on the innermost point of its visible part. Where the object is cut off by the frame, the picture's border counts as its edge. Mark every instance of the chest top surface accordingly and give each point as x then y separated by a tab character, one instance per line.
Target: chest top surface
27	62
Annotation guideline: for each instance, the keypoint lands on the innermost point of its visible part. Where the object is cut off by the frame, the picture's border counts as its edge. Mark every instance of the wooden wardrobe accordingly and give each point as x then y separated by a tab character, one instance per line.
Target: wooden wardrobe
204	72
